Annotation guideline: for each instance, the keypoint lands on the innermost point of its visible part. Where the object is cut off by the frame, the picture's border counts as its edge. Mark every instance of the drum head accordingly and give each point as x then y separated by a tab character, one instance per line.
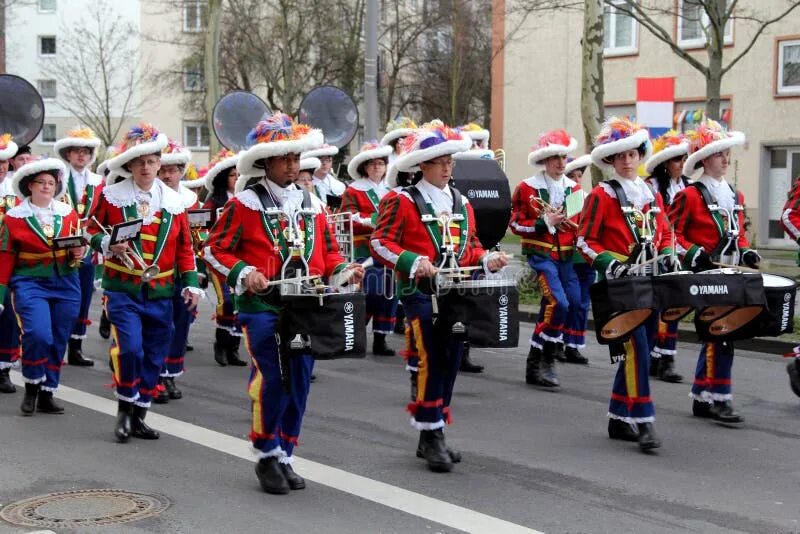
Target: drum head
21	109
331	110
773	280
734	320
712	313
675	314
622	324
234	115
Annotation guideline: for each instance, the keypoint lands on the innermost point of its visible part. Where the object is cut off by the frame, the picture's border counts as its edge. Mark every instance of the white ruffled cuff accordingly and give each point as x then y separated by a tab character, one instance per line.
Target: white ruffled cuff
104	244
195	291
414	265
240	289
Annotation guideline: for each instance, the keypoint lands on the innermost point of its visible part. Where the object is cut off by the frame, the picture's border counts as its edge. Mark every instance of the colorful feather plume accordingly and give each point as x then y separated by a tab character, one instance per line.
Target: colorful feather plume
400	123
81	132
707	132
278	127
616	128
4	140
553	137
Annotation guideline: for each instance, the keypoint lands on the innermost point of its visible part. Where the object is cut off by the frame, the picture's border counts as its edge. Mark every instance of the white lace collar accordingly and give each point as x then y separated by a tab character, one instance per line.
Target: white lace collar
25	209
638	192
539	181
188	197
123	194
365	184
291	197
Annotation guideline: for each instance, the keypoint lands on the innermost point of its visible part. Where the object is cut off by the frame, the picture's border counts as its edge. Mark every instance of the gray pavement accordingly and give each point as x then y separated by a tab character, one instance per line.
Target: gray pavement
535	458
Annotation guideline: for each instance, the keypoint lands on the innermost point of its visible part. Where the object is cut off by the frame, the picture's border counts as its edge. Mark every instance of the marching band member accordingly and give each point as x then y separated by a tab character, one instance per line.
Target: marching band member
247	247
327	187
43	281
220	177
578	316
606	237
702	239
362	198
480	143
539	216
21	157
140	311
665	168
9	330
79	150
305	176
790	220
411	247
397	130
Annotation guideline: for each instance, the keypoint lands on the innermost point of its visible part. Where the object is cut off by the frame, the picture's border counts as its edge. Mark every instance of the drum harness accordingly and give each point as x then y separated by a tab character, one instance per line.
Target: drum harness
727	250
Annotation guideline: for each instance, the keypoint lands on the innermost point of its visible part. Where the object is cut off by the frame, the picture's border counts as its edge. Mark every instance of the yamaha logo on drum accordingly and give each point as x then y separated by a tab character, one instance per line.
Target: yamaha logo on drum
483	193
349	328
503	314
503	300
718	289
348	307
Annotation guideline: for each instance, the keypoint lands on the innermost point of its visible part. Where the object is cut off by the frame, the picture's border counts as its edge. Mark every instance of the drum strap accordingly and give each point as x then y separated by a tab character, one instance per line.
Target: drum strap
625	203
458	206
725	241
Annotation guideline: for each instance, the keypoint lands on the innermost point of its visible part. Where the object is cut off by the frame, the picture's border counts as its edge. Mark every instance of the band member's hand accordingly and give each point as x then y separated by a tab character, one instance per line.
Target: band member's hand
425	269
617	269
202	281
357	271
555	218
667	264
255	282
702	262
119	249
77	253
751	258
190	299
496	261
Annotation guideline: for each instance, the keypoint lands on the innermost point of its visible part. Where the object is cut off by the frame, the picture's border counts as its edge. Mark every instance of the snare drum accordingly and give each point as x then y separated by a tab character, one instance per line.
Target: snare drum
620	306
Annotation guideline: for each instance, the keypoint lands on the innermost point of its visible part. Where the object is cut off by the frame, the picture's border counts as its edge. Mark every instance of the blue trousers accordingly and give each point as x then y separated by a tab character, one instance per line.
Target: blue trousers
560	291
9	335
665	340
182	319
578	316
86	275
46	309
141	328
225	315
712	378
378	284
439	359
630	395
276	415
410	354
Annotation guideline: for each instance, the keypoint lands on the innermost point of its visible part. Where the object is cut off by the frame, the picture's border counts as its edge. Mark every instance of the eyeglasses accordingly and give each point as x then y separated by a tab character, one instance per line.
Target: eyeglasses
145	163
325	159
441	162
44	183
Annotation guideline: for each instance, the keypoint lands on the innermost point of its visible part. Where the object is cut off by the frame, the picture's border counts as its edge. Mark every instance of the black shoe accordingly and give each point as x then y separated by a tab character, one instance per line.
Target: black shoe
6	386
702	409
647	437
655	366
467	365
161	396
172	390
547	375
232	354
105	326
533	366
45	403
295	481
666	371
140	429
28	405
723	412
435	452
220	344
621	430
400	321
413	386
793	368
313	378
271	477
379	346
559	354
189	348
455	456
573	355
75	354
122	428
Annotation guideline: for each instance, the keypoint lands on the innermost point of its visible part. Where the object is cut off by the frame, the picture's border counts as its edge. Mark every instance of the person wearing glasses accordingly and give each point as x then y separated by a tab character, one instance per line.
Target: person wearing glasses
9	330
41	278
326	186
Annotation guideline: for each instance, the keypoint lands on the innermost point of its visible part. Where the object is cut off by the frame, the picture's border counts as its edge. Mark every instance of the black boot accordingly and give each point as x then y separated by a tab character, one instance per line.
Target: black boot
139	428
28	405
75	354
379	346
621	430
455	456
221	341
189	348
655	366
558	354
573	355
232	354
667	372
172	390
122	428
702	409
549	378
5	382
413	378
647	437
295	481
45	403
271	477
793	368
161	396
105	326
434	451
467	365
723	412
400	321
533	366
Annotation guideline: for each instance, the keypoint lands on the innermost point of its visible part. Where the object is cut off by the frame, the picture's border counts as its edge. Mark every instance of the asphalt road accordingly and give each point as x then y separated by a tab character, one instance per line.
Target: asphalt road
535	458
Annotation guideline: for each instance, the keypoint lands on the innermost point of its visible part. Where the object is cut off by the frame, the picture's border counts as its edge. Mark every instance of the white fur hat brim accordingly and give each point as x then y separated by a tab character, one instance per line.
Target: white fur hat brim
34	168
244	180
310	164
306	146
8	152
142	149
666	154
214	171
396	134
321	151
410	160
176	158
578	163
474	154
536	157
478	135
694	159
366	155
63	144
197	183
600	152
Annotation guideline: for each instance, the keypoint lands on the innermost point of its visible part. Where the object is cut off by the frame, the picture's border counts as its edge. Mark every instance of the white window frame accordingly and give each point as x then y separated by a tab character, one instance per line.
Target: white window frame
193	4
700	42
45	10
781	90
39	45
197	137
615	50
45	126
40	86
188	87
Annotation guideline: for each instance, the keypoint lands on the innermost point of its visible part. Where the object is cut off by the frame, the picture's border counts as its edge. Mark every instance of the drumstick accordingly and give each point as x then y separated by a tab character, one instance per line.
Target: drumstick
740	267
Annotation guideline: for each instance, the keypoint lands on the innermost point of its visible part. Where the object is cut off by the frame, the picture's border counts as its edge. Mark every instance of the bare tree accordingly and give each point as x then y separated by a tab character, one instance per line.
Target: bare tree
592	80
211	63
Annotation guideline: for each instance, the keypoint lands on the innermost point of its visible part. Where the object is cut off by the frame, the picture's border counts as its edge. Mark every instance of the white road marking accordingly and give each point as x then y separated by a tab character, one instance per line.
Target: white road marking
410	502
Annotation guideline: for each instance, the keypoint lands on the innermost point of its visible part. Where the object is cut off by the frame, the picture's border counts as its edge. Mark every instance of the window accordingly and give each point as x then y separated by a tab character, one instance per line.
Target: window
689	114
195	134
619	37
627	111
194	16
693	25
47	88
47	45
192	80
49	133
789	67
47	6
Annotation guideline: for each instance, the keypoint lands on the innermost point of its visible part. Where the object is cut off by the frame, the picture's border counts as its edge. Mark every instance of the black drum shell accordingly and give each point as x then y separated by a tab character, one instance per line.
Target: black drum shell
493	315
485	185
335	328
612	297
700	291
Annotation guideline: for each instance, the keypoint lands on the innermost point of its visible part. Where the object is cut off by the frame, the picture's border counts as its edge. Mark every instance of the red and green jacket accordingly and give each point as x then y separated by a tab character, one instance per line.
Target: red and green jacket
27	250
84	204
166	242
362	198
790	217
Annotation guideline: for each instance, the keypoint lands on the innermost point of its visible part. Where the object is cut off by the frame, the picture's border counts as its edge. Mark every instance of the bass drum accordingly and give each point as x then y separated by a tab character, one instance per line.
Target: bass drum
620	306
485	185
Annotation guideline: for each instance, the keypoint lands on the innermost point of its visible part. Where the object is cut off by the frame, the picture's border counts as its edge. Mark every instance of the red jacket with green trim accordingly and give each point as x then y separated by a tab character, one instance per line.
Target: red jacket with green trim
790	217
527	220
86	203
25	247
362	199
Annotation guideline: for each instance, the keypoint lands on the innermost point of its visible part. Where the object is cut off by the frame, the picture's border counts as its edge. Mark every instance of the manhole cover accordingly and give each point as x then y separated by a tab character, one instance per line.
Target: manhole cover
84	508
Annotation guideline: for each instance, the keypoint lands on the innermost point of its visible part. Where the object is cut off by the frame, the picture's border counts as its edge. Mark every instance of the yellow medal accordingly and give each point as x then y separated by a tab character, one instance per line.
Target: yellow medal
143	210
47	229
10	201
81	208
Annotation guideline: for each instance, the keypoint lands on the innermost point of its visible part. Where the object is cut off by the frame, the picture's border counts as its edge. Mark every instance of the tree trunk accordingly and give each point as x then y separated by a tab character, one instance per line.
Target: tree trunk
715	10
211	69
592	90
